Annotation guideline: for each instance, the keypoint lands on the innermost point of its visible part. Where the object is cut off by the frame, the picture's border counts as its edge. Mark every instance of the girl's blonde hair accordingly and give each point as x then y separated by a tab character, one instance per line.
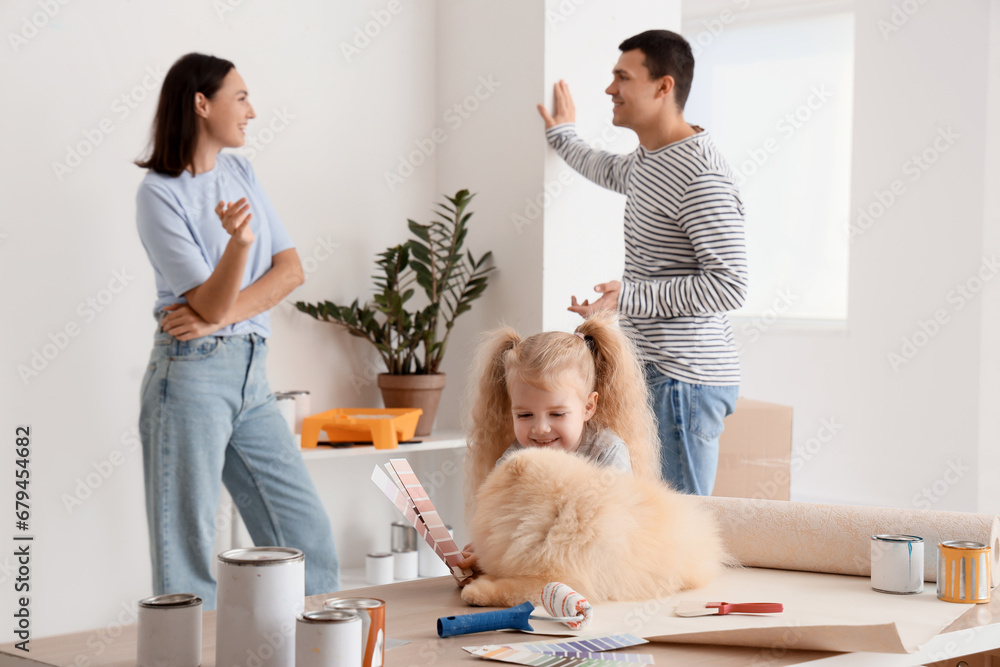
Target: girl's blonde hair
608	364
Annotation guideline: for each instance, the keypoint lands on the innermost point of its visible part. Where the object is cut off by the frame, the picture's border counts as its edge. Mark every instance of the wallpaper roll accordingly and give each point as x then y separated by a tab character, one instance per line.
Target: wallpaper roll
814	537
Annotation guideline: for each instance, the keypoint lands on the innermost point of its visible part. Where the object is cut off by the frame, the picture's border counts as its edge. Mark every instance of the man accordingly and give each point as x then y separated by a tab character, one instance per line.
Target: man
685	255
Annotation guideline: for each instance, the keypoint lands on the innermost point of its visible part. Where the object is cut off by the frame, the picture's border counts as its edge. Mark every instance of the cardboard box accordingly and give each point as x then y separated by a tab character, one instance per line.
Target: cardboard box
755	452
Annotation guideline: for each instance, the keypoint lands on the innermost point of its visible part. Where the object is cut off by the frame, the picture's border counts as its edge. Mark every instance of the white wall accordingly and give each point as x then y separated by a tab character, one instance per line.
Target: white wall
347	123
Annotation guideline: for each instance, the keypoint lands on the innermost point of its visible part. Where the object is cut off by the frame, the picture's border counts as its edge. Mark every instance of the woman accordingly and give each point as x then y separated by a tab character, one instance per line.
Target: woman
222	259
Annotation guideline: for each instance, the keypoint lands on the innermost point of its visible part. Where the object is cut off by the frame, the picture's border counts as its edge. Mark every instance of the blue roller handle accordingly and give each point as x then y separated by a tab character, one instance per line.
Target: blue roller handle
515	618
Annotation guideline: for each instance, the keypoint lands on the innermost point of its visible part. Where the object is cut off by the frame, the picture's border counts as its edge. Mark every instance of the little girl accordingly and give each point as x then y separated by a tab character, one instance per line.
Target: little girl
584	393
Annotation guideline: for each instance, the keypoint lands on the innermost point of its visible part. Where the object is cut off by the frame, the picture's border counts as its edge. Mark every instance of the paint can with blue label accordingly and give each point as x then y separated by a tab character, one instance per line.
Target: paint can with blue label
897	564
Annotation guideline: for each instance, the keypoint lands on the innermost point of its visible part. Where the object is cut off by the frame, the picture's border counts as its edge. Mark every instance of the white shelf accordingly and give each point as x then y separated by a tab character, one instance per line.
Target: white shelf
352	578
436	441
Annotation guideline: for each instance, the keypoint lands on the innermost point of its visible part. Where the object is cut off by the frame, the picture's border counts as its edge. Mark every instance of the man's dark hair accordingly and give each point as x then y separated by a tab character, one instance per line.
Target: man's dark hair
667	54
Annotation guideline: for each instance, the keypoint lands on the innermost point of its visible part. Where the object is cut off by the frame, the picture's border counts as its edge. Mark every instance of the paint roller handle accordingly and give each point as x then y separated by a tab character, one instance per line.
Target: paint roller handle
748	607
515	618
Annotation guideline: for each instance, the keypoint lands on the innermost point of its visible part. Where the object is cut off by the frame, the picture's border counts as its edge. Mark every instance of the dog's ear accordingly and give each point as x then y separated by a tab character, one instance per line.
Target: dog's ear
513	466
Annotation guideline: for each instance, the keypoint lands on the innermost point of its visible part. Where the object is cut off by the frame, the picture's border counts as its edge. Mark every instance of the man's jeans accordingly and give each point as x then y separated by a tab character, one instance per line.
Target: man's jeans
689	420
208	417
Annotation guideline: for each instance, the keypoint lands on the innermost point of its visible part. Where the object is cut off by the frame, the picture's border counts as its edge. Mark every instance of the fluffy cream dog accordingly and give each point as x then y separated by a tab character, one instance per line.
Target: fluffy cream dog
544	515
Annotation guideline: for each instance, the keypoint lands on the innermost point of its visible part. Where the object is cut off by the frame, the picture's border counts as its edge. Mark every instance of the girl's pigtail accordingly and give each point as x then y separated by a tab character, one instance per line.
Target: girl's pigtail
623	400
490	426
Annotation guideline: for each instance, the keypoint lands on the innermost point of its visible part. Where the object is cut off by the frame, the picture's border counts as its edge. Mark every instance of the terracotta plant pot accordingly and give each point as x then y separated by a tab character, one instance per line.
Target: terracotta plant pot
414	391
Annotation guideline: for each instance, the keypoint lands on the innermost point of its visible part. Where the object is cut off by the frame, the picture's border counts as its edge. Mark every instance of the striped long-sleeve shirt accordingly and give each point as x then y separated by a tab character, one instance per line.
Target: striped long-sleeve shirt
685	255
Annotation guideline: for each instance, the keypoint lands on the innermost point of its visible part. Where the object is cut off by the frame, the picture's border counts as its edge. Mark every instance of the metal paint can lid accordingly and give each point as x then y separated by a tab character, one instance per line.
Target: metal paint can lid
353	603
897	538
261	556
329	616
963	544
171	601
298	392
380	555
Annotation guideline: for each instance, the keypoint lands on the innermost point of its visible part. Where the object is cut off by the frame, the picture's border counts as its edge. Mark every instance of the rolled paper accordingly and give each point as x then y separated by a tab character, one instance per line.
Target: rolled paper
836	539
561	600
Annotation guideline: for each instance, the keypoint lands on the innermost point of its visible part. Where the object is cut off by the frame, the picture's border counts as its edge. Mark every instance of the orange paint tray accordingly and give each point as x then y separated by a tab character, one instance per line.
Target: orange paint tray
384	427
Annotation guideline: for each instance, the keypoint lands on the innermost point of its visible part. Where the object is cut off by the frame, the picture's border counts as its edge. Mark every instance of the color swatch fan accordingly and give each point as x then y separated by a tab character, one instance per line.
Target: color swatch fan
400	485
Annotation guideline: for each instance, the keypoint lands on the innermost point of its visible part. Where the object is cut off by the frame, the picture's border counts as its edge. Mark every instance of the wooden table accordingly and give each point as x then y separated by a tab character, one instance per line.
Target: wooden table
413	608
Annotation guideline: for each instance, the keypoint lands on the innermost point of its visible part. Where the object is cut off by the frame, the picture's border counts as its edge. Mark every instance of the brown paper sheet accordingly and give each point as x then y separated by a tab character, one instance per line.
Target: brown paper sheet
826	612
814	537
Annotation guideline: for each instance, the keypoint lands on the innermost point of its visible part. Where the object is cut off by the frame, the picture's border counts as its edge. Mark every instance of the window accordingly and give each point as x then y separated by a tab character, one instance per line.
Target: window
776	94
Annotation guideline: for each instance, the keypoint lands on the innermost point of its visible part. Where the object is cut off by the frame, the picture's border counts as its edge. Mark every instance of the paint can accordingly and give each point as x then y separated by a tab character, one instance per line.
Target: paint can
261	591
404	536
372	612
405	561
379	569
897	564
286	406
302	407
963	572
429	564
169	631
405	565
328	638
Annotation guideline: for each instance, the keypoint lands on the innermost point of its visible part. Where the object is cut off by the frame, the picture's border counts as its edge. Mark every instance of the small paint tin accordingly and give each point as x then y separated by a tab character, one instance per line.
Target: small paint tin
302	407
261	591
405	565
404	536
169	631
963	572
328	638
429	564
372	612
897	564
379	568
286	406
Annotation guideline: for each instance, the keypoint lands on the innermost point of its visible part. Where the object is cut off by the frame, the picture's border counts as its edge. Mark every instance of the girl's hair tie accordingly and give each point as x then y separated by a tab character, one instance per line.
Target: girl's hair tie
589	340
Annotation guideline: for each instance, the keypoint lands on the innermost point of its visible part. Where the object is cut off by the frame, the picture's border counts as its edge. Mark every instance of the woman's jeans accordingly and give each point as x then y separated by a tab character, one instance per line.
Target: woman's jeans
208	417
689	420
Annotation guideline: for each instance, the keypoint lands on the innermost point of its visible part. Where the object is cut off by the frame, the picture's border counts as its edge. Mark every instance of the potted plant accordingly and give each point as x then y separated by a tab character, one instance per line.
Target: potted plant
412	340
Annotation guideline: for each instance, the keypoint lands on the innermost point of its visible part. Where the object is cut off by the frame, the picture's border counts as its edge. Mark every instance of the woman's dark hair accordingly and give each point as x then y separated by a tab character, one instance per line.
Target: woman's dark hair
175	127
667	54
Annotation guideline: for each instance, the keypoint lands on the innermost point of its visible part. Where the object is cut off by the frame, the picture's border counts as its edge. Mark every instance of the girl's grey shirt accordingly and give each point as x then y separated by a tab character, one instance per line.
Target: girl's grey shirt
599	445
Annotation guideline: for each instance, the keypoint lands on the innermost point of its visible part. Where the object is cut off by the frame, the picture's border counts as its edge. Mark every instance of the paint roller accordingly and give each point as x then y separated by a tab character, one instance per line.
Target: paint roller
563	603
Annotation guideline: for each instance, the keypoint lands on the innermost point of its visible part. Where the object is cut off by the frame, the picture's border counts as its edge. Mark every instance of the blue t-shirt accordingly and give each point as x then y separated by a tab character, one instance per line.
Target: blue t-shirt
185	239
